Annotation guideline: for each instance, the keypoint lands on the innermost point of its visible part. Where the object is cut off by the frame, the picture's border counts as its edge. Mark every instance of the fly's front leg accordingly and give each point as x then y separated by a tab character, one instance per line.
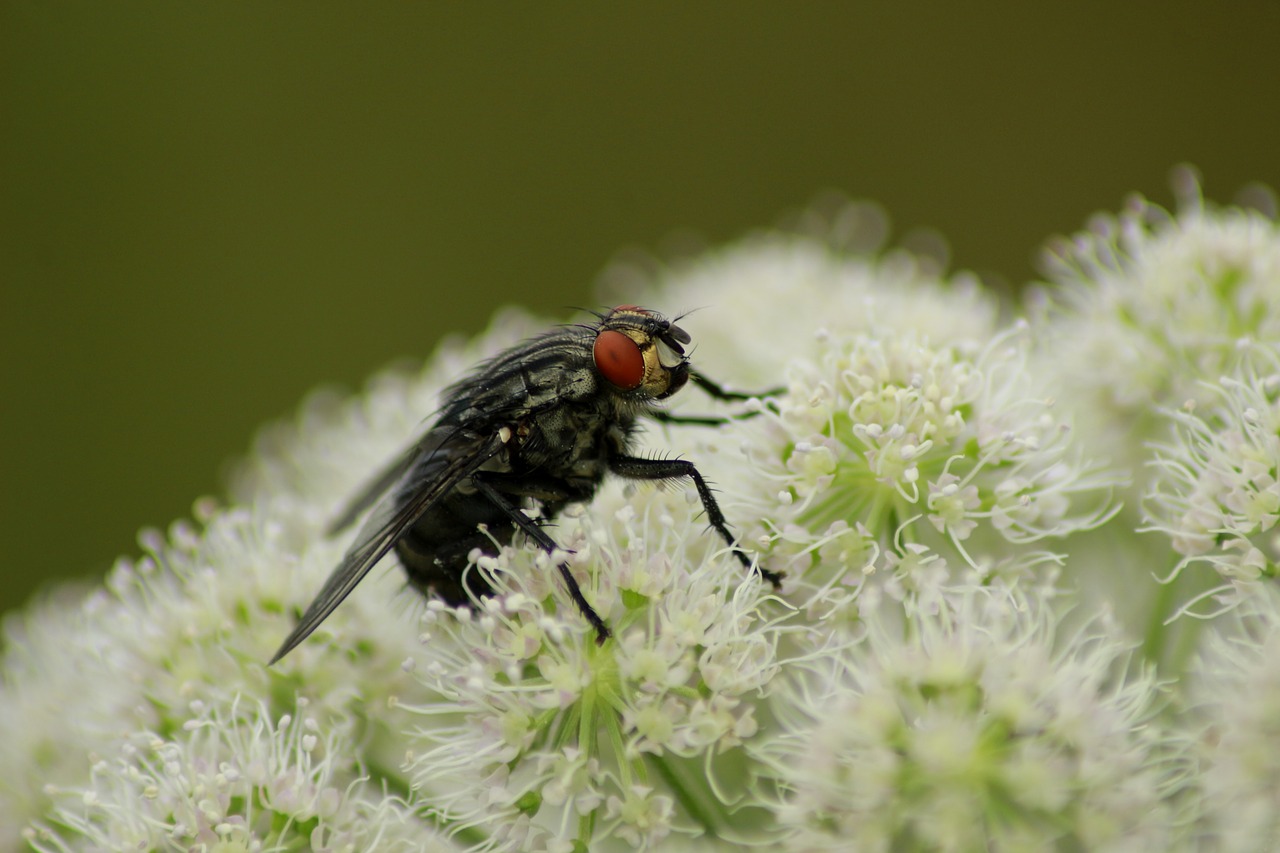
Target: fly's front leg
637	468
666	417
487	485
716	392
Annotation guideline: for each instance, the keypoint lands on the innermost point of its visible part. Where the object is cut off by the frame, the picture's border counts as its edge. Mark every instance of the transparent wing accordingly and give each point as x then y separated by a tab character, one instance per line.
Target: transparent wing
459	455
375	489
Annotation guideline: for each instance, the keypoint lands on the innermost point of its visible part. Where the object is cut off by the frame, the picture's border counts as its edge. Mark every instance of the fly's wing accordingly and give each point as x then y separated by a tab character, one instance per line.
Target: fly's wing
376	488
461	454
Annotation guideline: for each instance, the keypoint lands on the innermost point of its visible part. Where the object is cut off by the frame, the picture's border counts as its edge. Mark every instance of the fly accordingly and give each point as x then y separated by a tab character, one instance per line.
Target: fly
543	421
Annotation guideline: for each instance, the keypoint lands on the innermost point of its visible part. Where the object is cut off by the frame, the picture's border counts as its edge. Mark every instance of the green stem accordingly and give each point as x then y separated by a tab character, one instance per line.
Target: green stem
469	837
1184	643
703	813
587	743
389	779
587	828
1186	646
1157	631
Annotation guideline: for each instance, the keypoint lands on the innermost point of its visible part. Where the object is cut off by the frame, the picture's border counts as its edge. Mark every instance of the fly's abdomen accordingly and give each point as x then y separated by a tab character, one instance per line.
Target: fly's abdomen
435	549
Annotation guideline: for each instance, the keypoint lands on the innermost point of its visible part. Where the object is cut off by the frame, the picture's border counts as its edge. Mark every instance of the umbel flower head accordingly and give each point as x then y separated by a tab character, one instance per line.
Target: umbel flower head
984	730
1216	494
1235	686
529	717
148	697
233	779
910	416
914	682
1146	306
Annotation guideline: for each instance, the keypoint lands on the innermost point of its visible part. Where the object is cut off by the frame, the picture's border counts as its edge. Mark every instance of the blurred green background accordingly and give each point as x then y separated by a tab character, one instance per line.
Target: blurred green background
207	210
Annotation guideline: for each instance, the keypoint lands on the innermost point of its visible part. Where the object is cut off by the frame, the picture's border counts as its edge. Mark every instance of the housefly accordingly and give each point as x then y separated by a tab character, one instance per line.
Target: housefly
541	424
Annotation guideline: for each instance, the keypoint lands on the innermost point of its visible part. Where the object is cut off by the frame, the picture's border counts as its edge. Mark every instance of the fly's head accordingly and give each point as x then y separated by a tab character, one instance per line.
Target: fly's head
641	353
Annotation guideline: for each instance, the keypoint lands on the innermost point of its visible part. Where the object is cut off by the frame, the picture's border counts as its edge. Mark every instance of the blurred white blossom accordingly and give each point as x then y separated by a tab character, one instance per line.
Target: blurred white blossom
1216	495
937	671
1236	687
1147	305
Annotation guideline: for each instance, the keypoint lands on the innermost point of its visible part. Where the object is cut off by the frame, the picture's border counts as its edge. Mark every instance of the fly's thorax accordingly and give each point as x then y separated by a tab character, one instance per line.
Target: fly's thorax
573	443
541	373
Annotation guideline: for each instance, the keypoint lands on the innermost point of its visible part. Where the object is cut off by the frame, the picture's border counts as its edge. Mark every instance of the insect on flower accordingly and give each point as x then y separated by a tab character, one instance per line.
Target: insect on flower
542	422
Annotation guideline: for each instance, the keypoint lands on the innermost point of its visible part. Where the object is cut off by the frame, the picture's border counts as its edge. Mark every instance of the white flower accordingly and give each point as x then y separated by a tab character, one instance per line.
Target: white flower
193	622
66	691
582	736
908	685
895	442
233	778
1215	492
755	305
1147	306
641	818
981	731
1236	684
907	414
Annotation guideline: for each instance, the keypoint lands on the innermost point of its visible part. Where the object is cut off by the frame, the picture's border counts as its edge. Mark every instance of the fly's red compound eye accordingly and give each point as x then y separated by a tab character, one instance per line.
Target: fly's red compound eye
618	359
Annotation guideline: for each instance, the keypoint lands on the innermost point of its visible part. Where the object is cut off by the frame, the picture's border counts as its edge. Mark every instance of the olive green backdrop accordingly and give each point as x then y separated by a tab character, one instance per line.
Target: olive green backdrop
207	210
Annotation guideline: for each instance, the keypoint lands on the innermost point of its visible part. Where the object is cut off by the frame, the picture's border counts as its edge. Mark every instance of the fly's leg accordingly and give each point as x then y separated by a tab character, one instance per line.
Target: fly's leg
637	468
666	417
715	392
546	543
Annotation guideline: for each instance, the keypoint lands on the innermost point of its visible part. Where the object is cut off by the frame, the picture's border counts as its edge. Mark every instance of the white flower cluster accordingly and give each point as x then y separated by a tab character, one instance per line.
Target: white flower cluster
1147	306
923	679
530	717
232	780
1216	494
933	439
909	418
186	627
974	728
1236	687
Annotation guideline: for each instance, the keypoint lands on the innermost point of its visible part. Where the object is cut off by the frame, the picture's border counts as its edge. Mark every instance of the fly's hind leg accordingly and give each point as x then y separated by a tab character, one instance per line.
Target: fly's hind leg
484	484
